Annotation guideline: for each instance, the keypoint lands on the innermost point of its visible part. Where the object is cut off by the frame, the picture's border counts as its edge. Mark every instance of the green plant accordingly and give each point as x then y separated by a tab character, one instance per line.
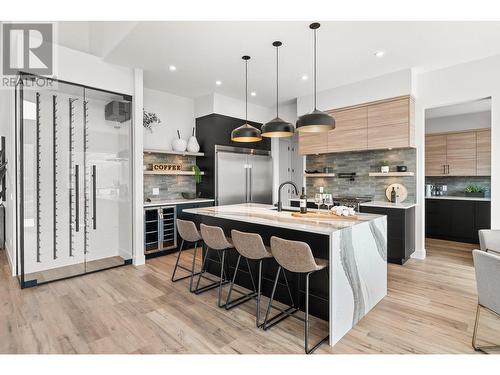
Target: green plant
149	119
384	163
197	173
473	188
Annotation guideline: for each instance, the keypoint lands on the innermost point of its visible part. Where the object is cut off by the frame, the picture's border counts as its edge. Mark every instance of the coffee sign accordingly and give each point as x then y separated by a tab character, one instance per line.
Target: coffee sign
166	167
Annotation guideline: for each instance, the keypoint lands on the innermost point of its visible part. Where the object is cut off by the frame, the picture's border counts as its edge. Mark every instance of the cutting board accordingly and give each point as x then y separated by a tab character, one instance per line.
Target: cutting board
400	190
323	215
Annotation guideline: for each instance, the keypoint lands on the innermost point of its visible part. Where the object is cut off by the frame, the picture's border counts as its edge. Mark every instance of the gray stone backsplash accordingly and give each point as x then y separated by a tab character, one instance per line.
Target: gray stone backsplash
170	187
457	185
362	163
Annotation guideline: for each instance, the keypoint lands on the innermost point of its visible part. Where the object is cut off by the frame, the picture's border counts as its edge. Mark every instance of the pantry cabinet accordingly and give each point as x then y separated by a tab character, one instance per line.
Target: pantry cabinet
465	153
377	125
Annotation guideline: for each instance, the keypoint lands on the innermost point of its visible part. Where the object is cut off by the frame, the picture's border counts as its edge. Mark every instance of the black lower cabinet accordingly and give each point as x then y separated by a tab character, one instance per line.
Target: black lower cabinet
455	219
400	231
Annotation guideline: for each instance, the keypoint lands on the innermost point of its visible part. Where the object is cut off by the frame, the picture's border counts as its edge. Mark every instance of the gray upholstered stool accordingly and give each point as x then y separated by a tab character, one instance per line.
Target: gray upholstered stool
189	233
296	257
249	246
215	240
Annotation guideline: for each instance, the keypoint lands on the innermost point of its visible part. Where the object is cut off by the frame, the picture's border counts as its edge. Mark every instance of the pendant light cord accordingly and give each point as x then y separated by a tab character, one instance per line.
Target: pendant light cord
315	92
277	80
246	91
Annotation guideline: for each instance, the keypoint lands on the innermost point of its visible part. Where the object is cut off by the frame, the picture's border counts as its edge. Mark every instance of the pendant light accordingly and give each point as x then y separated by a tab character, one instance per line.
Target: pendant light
316	121
246	132
277	128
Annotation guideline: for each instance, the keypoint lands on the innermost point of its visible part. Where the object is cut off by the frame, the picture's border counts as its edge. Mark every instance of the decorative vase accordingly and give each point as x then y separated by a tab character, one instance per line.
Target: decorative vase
179	144
384	169
193	145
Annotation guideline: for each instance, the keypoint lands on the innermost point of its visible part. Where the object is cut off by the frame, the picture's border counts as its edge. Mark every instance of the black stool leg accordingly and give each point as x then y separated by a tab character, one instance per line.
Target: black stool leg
193	267
245	296
306	323
177	262
222	279
257	311
268	323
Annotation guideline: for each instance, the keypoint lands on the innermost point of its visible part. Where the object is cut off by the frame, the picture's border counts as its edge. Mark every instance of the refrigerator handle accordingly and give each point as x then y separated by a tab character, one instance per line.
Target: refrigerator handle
77	198
94	196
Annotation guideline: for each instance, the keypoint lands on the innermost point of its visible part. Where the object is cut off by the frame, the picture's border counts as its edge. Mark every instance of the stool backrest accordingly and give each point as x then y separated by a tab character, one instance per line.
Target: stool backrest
214	237
249	245
294	256
489	239
487	266
187	230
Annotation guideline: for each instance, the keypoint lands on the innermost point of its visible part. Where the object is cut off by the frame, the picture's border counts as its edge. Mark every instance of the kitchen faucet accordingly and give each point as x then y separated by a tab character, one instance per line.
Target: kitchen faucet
280	204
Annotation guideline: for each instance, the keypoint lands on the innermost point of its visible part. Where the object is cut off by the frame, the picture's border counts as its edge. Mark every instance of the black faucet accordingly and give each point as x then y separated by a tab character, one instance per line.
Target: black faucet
280	204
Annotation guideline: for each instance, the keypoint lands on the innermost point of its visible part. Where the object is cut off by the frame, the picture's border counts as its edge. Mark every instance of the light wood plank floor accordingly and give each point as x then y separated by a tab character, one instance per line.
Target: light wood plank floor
430	308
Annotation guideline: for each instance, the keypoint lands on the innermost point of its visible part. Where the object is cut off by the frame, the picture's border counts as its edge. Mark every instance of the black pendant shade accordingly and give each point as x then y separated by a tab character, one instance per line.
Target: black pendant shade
316	121
246	132
277	127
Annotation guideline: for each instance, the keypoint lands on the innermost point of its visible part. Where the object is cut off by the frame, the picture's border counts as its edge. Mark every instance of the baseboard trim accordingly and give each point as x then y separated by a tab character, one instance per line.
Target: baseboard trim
419	254
9	260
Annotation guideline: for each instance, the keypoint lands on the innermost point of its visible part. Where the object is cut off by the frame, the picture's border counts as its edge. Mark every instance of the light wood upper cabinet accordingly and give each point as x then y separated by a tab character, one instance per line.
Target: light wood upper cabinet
465	153
313	143
377	125
350	131
483	152
435	155
461	154
389	124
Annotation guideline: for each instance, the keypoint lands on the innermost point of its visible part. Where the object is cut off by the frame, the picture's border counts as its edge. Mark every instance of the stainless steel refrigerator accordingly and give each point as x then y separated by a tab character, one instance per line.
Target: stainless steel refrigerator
243	175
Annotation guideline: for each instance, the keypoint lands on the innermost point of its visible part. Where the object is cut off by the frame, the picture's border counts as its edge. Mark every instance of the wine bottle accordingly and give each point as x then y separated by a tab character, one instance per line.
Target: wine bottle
303	201
393	195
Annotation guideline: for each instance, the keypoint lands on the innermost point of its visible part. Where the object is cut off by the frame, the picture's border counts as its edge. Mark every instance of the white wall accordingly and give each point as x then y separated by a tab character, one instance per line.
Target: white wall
382	87
225	105
452	85
175	113
465	121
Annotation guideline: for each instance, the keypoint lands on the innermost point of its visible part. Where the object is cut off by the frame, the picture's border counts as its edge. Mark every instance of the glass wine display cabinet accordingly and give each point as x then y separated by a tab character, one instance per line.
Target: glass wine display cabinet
74	206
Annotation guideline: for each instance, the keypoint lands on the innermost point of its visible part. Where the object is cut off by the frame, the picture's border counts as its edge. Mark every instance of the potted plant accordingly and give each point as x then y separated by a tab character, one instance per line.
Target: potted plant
473	190
384	166
197	174
149	119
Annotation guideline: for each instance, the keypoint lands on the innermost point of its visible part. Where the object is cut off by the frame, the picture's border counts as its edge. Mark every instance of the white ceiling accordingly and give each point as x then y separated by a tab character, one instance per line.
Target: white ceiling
482	105
204	52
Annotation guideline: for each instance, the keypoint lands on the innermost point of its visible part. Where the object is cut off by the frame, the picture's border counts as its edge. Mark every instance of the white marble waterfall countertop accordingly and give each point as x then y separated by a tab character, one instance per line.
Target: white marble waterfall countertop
382	204
267	215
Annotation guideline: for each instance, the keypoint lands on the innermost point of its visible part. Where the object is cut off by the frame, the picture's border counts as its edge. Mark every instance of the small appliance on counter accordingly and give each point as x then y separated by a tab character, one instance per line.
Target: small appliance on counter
428	190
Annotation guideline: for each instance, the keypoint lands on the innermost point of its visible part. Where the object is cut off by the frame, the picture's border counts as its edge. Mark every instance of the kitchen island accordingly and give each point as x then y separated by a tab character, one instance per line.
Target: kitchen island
356	249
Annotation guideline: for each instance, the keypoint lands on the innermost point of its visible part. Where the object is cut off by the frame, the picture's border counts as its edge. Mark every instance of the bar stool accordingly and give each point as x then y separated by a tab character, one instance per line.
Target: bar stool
248	246
215	240
189	233
296	257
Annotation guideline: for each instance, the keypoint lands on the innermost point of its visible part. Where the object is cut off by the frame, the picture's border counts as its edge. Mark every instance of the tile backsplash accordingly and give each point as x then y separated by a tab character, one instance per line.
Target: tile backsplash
362	162
170	187
457	185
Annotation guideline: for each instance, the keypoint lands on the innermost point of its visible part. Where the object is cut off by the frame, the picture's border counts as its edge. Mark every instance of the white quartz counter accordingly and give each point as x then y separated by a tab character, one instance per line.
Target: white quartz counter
267	215
382	204
166	202
460	198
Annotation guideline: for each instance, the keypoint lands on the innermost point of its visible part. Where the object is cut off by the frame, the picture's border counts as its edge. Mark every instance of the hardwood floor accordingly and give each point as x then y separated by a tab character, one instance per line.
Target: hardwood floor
429	308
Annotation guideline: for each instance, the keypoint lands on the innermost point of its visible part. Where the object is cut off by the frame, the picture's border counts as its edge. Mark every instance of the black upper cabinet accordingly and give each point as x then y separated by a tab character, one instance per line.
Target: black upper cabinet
456	220
215	129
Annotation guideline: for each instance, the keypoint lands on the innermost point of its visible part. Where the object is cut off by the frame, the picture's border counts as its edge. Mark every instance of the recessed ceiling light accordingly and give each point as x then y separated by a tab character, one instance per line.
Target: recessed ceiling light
253	93
172	68
304	78
218	83
379	53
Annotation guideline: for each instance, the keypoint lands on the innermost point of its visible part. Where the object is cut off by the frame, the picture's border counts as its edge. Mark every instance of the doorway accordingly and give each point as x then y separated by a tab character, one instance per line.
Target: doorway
458	171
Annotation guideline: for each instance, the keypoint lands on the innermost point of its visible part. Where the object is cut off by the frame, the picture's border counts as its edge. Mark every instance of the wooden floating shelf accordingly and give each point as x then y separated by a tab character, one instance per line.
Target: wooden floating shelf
319	174
391	174
170	152
172	173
